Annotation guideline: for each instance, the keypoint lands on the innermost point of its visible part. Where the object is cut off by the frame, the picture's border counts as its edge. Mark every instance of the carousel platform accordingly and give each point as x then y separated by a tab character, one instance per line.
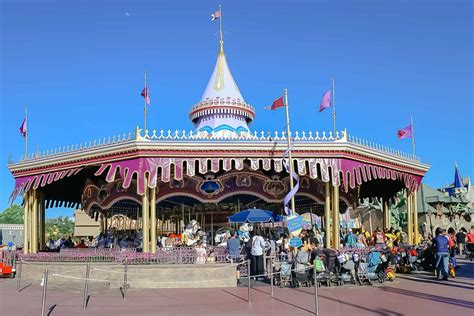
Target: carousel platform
139	276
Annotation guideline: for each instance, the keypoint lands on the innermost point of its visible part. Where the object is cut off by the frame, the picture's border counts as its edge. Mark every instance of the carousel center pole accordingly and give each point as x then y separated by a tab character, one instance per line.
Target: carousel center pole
290	159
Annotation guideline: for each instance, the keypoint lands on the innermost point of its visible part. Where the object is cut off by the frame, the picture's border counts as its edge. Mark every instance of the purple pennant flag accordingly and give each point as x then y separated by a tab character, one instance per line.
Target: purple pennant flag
406	132
22	129
326	101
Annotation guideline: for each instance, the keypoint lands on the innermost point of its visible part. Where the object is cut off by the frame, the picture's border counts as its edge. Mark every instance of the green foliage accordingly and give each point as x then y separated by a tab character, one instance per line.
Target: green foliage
59	227
12	215
398	211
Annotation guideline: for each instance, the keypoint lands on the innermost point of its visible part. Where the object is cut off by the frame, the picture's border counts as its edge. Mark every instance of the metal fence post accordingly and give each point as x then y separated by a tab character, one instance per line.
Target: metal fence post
316	299
86	287
45	287
248	277
125	277
271	273
18	282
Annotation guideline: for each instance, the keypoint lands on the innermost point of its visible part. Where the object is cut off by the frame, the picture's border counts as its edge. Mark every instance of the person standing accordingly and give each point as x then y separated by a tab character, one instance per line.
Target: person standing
233	247
461	240
441	246
256	251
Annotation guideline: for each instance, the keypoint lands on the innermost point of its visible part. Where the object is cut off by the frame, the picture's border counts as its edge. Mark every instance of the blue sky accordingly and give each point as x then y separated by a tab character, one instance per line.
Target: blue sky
78	65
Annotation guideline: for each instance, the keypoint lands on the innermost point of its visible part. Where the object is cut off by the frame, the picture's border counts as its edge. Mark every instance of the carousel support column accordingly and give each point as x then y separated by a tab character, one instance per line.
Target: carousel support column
34	224
327	214
409	218
30	221
389	215
43	223
26	222
386	223
145	219
212	228
335	217
415	218
153	219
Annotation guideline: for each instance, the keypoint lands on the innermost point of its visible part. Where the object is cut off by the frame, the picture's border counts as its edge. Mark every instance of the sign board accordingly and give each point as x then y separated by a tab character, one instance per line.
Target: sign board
296	242
295	223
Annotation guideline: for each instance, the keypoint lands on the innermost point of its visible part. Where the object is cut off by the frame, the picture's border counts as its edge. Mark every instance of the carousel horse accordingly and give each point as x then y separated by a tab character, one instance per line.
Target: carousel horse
221	239
190	235
244	232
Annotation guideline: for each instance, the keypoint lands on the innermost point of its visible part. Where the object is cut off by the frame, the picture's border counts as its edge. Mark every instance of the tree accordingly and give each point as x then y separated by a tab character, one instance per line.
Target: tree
59	227
12	215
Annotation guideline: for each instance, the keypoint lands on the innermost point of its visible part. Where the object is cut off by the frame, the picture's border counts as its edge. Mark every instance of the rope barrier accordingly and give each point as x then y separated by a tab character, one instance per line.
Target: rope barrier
63	273
122	272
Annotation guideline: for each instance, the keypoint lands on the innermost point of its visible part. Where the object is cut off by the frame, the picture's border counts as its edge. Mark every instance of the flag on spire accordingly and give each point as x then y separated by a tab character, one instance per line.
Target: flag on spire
216	15
325	101
23	129
146	95
457	177
406	132
278	103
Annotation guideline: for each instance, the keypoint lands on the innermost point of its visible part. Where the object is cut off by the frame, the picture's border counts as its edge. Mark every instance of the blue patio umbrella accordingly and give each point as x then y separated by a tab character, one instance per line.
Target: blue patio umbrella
255	216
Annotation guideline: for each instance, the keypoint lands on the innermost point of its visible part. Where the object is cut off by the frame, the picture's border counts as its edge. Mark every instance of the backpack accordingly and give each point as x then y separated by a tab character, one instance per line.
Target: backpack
318	265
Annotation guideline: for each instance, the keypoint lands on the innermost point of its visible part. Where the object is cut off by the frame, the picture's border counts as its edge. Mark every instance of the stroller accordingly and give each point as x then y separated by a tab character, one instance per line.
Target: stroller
469	251
302	271
373	269
284	277
331	268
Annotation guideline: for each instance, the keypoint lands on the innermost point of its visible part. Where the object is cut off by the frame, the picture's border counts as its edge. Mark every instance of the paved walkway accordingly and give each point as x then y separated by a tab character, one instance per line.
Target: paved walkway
414	294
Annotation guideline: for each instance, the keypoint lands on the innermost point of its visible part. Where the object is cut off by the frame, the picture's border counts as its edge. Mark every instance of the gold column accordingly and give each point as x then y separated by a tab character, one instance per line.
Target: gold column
409	219
26	211
42	232
415	218
146	218
34	224
30	221
327	214
335	217
153	219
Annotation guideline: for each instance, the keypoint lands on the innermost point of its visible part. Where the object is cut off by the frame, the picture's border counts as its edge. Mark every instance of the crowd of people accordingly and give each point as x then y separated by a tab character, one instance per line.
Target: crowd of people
261	244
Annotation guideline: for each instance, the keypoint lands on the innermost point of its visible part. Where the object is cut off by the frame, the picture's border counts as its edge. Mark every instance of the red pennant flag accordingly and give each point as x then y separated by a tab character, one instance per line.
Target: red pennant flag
278	103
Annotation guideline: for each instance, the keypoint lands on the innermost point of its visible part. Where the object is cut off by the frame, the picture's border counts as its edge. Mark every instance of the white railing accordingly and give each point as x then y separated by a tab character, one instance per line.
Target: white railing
193	136
381	148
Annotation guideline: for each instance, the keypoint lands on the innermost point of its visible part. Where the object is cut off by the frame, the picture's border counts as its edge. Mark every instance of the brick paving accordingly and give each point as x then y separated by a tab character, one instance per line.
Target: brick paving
414	294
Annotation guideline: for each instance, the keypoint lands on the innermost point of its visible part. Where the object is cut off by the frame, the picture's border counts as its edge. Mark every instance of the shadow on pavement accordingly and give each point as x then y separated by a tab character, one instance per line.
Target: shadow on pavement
381	312
431	297
438	282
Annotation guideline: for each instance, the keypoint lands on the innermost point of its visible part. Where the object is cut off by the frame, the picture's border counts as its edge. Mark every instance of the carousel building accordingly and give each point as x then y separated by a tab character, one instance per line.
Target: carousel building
161	180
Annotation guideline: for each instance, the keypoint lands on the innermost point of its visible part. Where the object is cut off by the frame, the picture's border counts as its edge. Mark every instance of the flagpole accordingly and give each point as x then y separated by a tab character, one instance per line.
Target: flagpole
220	25
412	136
333	101
288	138
144	108
26	134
